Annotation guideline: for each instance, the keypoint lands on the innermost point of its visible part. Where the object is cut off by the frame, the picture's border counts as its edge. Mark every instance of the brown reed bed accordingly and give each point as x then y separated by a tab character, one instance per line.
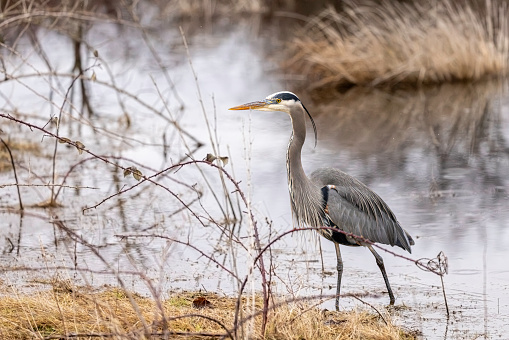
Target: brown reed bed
83	313
36	11
392	43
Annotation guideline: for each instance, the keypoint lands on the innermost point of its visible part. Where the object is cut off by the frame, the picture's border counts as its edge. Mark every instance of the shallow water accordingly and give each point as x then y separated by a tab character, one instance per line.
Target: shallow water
439	157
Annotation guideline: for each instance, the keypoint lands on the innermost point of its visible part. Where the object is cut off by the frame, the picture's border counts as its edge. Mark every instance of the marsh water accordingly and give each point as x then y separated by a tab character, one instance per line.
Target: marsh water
439	156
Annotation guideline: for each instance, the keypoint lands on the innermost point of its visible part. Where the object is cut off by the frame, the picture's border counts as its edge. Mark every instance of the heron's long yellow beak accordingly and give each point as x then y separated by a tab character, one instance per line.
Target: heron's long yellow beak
251	106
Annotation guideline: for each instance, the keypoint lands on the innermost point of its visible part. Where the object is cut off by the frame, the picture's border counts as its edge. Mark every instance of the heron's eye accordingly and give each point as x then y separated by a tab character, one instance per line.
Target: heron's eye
278	100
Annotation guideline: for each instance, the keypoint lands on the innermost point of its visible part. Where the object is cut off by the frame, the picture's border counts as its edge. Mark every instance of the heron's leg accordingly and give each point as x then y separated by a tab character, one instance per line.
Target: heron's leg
380	263
340	273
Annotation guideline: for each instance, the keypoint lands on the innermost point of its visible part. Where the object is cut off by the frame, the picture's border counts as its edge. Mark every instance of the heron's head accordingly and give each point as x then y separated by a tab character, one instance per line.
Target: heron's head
280	101
284	101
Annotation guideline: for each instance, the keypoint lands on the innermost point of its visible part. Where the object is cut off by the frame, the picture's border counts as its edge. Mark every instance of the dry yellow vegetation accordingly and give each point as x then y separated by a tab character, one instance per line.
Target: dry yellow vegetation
391	43
83	313
19	146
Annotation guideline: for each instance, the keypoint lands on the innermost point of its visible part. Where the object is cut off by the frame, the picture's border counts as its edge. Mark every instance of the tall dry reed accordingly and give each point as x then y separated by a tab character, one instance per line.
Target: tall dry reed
392	43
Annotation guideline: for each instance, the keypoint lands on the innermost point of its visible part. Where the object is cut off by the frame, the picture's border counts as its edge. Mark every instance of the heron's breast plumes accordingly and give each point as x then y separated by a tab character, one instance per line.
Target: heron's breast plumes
305	196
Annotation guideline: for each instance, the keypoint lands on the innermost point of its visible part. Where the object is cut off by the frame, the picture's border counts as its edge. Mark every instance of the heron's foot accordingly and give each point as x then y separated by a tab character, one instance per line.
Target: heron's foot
392	299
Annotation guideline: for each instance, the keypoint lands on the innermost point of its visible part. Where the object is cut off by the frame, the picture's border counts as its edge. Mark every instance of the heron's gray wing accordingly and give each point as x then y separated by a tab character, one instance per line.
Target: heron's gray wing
356	209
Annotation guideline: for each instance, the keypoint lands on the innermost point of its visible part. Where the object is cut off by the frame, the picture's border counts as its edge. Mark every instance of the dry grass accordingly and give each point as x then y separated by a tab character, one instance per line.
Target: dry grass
392	43
118	8
19	147
208	8
66	309
301	323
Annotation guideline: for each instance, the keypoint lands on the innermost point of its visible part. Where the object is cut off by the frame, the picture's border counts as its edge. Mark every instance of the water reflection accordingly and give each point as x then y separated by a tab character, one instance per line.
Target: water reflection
452	118
442	150
451	140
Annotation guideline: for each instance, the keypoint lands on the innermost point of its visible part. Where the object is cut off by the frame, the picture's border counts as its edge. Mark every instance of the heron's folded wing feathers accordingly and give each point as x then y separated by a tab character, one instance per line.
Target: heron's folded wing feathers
356	209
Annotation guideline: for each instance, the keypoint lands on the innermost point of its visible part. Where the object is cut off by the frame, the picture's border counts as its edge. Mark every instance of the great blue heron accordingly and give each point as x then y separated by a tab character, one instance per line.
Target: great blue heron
332	198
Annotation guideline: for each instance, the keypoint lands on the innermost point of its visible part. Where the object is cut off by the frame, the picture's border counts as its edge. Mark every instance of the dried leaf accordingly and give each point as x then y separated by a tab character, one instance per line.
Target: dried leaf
127	172
93	77
224	160
134	171
96	54
80	146
64	140
210	158
201	302
137	174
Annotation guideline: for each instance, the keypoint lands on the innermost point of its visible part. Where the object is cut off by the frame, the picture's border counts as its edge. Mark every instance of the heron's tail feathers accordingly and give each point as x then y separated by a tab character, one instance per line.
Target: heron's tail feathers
404	240
410	239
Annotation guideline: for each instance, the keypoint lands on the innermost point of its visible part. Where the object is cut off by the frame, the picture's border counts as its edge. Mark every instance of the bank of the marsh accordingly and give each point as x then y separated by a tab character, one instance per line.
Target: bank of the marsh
82	313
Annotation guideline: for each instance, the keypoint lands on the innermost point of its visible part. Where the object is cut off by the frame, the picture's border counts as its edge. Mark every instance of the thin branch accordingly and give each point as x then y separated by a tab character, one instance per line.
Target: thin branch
14	170
107	161
47	186
370	305
53	168
202	253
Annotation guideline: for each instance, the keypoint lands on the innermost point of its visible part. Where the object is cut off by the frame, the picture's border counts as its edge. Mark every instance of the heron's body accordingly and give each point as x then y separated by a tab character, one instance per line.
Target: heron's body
353	208
331	198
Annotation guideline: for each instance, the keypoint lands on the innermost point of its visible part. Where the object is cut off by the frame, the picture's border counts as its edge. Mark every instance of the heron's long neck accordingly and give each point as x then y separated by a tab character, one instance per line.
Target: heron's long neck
293	154
305	196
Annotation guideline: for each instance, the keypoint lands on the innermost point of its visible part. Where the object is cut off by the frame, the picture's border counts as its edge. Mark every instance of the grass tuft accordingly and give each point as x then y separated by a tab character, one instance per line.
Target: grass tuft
392	43
114	313
292	322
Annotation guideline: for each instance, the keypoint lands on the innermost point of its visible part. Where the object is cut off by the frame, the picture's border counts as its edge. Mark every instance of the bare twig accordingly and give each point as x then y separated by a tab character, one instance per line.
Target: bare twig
201	252
111	86
438	265
53	171
107	161
14	171
47	186
370	305
204	112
